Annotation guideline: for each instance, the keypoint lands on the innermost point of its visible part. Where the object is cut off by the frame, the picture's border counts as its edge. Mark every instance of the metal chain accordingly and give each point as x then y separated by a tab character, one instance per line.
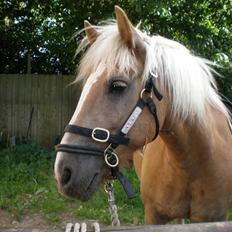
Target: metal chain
112	206
77	227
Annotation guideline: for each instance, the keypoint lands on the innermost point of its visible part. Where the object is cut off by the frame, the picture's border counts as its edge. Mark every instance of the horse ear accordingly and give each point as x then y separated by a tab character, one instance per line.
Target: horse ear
90	31
125	27
129	34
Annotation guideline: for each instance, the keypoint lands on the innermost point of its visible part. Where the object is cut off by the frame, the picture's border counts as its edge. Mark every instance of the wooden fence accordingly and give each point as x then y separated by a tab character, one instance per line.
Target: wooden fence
197	227
36	106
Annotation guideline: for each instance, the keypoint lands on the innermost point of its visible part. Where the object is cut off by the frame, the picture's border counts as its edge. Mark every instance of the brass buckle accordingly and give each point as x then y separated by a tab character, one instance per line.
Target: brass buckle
93	135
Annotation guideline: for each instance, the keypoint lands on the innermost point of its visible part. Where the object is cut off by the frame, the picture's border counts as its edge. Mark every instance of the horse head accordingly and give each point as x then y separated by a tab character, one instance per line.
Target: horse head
113	117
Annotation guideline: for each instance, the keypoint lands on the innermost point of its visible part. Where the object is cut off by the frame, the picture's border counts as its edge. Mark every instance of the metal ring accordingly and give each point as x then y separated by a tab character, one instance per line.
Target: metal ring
142	93
108	163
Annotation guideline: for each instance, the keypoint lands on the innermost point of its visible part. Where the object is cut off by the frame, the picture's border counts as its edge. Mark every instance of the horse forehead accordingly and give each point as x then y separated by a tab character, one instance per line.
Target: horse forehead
89	83
98	76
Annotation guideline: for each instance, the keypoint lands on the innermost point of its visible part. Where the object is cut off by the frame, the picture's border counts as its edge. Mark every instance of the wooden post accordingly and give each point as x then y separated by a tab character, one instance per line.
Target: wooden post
195	227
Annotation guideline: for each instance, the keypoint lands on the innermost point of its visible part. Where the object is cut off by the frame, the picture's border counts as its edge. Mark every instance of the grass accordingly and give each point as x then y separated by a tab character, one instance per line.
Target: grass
27	186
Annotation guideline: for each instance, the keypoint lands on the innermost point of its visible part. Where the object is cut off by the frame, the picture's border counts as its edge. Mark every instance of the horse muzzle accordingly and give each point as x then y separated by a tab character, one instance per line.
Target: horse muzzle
78	176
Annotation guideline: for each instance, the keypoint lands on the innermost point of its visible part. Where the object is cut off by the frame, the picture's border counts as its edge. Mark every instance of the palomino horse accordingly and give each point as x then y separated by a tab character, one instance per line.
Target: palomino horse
186	171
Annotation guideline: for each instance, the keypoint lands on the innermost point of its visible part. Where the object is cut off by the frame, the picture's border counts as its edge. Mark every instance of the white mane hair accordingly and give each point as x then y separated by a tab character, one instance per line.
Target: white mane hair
187	79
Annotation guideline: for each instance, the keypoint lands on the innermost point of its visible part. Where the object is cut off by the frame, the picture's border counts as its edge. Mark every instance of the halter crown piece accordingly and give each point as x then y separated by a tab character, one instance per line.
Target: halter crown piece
103	135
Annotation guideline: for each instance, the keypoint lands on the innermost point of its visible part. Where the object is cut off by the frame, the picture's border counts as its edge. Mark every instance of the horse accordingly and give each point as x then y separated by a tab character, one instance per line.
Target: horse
150	100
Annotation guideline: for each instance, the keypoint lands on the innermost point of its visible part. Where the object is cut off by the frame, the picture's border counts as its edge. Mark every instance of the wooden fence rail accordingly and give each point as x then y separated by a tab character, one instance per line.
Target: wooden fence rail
197	227
36	106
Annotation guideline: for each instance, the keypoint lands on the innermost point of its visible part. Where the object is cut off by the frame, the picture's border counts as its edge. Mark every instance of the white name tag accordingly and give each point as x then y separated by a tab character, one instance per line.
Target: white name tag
131	120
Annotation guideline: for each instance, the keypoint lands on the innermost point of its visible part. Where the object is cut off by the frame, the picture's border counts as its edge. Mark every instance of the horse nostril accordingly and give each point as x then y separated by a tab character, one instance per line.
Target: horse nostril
66	176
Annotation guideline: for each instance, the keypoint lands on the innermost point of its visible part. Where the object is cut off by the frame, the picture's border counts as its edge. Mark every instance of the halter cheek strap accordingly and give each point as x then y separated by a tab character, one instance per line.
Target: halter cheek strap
114	140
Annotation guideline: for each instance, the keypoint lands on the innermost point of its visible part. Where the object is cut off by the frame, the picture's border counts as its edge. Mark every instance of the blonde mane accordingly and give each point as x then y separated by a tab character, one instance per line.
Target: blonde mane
186	78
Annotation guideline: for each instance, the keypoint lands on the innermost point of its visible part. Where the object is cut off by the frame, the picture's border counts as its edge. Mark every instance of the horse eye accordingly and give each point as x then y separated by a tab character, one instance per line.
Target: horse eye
118	86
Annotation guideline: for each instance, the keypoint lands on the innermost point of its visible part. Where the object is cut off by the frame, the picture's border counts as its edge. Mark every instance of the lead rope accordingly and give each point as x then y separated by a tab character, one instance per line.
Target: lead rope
82	227
112	206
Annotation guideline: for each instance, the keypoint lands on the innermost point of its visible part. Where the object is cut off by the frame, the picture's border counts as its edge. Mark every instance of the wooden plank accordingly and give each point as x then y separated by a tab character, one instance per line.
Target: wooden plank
197	227
62	123
40	101
47	122
23	113
59	97
54	109
73	91
44	116
66	115
3	110
15	94
21	117
27	103
30	107
12	104
34	105
72	98
3	98
8	107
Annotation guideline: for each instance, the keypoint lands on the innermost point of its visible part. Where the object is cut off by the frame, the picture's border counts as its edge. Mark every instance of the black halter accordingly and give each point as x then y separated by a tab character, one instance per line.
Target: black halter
114	140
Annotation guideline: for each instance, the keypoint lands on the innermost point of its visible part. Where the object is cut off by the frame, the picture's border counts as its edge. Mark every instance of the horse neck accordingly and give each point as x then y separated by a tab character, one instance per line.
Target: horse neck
192	144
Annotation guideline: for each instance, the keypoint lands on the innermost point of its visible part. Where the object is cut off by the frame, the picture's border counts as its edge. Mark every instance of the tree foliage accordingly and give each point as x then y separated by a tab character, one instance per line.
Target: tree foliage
44	29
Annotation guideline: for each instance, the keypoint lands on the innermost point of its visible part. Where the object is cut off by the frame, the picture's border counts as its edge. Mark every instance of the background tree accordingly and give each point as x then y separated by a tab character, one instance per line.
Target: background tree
43	30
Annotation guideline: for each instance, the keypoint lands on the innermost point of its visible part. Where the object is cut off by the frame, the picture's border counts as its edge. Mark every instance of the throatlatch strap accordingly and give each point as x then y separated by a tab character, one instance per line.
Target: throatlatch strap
113	138
157	93
152	108
150	85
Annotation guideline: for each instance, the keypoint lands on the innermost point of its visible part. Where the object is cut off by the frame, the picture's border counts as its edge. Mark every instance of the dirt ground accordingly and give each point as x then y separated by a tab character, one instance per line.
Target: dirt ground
8	220
36	221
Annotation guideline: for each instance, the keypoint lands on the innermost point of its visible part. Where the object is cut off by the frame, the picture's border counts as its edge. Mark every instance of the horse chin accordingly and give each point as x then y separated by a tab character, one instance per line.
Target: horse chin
84	189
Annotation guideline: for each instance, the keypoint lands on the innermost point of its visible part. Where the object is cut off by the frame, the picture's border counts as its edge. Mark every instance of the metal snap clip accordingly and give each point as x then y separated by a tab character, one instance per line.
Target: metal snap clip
111	157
